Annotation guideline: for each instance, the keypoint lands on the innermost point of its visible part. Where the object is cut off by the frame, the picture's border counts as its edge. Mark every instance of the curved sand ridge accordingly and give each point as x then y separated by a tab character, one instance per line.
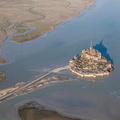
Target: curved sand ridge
41	14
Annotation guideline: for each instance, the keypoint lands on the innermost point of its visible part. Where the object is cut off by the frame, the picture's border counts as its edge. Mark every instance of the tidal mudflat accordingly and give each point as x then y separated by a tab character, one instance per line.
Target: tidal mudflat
92	100
32	113
41	14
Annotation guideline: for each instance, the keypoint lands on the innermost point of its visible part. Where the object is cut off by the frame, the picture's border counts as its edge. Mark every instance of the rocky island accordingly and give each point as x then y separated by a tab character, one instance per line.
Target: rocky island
90	64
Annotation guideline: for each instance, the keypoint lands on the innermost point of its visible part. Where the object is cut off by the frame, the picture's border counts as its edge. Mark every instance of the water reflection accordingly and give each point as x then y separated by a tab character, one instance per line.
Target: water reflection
102	49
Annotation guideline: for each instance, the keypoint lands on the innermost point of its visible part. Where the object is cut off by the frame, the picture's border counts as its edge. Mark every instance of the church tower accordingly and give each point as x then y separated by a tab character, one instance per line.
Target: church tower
91	45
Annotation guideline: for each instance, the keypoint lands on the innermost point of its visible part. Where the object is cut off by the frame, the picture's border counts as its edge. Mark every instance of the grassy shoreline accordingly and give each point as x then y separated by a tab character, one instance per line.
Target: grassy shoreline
41	14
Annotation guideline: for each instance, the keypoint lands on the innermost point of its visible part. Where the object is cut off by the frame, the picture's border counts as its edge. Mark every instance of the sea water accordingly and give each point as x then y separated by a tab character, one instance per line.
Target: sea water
82	98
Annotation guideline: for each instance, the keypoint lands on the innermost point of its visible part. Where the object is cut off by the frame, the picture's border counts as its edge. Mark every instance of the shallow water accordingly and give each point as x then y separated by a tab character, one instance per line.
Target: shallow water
83	99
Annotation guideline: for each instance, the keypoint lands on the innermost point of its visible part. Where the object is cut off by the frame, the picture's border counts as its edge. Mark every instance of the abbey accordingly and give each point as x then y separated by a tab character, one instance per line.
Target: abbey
90	64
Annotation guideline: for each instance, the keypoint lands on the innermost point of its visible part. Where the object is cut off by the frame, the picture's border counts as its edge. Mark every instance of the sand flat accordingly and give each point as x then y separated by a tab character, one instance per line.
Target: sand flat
36	114
41	14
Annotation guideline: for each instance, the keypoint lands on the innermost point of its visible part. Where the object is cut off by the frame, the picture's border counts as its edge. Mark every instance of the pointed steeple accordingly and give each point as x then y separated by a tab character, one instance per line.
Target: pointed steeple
91	44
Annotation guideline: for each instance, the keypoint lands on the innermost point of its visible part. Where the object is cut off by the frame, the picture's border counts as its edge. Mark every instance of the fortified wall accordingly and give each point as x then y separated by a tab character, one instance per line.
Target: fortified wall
90	64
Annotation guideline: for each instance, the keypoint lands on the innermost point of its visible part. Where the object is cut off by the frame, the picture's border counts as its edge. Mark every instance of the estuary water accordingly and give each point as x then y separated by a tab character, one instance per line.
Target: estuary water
97	99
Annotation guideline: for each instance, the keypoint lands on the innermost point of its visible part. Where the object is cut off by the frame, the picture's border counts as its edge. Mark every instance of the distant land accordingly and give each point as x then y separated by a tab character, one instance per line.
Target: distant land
40	14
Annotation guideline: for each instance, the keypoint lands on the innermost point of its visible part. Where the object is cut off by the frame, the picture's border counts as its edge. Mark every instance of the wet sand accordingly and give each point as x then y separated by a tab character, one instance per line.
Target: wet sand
44	15
8	93
34	111
36	114
2	73
2	61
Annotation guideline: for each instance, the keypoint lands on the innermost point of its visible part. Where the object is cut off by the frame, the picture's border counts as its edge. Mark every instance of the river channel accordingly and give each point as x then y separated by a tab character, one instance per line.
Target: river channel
97	99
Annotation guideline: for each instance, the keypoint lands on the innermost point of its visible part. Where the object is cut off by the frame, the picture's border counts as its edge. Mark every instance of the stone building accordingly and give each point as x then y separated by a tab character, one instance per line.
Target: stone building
91	54
90	64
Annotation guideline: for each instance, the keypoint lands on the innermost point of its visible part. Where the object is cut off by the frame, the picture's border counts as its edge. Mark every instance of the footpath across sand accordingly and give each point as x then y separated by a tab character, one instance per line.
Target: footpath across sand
41	14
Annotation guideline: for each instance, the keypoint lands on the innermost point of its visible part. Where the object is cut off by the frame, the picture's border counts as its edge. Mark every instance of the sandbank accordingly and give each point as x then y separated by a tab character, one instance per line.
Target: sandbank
35	111
41	83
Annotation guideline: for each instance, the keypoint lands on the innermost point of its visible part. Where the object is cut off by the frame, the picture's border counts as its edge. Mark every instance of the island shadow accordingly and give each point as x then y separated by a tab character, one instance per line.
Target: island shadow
103	50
